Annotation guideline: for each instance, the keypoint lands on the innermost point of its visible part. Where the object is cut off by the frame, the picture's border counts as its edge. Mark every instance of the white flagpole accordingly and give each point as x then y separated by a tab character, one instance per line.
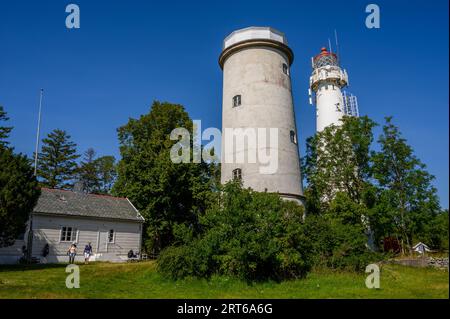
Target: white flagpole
37	133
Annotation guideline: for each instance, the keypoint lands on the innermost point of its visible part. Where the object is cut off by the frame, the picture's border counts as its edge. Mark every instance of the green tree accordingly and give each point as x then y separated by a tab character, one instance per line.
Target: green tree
435	233
97	174
19	193
106	173
338	160
57	161
246	234
407	191
4	130
87	172
336	243
166	194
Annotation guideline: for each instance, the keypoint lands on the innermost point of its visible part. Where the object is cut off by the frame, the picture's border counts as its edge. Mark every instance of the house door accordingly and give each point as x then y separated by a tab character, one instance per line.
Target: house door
102	242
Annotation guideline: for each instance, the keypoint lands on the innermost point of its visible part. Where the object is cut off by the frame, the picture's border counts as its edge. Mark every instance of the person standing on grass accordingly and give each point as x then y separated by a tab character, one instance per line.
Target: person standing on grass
87	253
72	253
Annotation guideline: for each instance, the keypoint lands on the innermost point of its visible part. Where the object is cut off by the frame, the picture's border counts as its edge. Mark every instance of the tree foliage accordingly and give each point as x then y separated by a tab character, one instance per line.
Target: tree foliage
436	232
19	192
19	189
167	194
57	161
387	193
106	173
408	195
87	172
4	130
337	244
338	160
97	174
246	234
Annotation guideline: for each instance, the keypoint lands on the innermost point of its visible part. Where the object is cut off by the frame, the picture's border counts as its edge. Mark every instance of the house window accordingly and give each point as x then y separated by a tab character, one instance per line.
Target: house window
285	69
293	137
68	234
236	100
111	236
237	174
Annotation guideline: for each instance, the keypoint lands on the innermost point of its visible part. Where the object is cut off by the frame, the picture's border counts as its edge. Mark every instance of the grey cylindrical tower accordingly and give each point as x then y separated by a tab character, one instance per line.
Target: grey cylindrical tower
257	94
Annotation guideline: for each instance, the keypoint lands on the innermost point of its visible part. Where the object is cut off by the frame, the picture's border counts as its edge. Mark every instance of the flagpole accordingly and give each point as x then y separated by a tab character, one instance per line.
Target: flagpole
37	133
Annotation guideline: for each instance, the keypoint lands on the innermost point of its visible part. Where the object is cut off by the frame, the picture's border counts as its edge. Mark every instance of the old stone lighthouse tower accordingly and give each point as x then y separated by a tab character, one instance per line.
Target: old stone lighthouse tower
257	95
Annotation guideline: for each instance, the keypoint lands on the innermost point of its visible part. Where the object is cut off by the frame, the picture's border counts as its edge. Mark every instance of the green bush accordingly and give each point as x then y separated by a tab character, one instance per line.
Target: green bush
339	245
257	236
249	235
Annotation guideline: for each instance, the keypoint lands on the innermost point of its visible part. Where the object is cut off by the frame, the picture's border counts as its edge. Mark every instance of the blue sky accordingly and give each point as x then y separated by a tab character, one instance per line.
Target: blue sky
128	53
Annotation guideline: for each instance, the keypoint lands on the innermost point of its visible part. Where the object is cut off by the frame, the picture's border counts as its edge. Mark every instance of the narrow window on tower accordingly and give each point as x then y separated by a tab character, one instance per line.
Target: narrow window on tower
293	137
236	100
285	69
237	174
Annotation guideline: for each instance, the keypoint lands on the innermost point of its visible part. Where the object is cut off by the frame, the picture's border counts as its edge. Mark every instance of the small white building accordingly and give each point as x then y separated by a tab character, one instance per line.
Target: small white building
112	225
421	248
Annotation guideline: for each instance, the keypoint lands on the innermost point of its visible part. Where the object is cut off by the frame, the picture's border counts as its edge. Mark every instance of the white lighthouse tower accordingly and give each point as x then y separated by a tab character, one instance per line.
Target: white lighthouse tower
257	94
327	81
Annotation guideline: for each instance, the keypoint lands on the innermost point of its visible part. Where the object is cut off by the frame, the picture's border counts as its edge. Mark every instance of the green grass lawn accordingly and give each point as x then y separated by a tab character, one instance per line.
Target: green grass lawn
140	280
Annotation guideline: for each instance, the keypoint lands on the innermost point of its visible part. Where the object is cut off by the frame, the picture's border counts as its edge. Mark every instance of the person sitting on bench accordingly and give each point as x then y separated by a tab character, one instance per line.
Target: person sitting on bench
131	254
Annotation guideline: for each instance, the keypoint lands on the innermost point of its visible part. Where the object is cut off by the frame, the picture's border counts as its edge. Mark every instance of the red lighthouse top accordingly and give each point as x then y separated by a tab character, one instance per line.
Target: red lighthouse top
325	58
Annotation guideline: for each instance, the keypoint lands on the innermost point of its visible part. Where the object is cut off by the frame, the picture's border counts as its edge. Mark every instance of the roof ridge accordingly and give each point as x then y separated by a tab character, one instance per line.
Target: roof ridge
90	194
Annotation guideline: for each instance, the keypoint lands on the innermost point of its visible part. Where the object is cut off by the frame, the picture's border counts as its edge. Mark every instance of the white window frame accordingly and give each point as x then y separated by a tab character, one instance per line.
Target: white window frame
73	238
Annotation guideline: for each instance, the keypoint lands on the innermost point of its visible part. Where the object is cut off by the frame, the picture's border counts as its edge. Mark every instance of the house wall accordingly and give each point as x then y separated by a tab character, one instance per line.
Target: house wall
12	254
47	229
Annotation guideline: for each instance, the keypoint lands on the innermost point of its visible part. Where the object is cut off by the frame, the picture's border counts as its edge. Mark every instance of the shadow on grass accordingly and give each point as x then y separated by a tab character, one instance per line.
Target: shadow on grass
26	267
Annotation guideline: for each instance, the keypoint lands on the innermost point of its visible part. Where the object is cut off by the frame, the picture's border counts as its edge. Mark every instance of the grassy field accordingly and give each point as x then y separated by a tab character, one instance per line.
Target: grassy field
140	280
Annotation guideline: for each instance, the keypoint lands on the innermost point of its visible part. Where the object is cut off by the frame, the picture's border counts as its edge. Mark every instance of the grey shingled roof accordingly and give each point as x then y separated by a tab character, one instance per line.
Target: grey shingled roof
62	202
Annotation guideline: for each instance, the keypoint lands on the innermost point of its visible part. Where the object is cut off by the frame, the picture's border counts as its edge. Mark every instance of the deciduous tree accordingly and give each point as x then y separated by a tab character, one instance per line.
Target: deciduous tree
338	160
407	186
19	192
166	193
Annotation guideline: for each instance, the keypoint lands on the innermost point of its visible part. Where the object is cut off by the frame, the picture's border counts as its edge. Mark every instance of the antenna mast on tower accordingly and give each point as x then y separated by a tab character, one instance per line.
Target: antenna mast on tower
337	46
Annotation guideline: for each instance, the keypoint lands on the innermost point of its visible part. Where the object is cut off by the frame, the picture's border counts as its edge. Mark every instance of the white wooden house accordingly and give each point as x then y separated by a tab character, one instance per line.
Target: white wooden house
112	225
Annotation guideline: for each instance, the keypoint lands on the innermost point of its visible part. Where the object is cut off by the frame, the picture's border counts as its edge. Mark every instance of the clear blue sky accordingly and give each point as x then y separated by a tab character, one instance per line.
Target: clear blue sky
128	53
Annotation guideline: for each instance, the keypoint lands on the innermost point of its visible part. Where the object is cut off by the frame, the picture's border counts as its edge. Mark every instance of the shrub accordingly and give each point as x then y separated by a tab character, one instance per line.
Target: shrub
249	235
338	245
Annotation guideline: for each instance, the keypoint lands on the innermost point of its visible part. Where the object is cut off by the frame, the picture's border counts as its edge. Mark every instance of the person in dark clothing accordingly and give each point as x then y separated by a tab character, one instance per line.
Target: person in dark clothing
87	253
